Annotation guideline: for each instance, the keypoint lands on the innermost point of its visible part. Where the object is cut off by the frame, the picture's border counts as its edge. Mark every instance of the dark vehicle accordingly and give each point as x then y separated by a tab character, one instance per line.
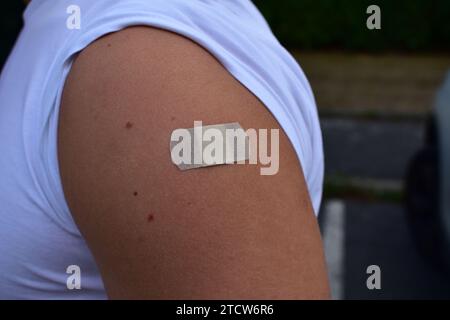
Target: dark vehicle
428	185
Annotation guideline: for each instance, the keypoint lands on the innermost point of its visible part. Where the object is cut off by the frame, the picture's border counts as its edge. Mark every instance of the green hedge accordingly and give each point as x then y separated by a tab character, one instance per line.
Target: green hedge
10	25
321	24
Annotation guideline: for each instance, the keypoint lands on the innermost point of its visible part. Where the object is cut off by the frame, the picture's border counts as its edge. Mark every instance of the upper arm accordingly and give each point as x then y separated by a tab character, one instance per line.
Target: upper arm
156	231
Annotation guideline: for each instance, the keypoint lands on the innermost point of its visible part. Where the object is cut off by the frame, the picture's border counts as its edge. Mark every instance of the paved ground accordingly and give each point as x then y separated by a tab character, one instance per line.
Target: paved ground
370	84
378	234
375	149
357	233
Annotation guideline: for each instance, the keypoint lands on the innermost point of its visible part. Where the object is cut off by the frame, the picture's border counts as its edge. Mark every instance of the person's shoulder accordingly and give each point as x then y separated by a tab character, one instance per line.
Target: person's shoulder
156	231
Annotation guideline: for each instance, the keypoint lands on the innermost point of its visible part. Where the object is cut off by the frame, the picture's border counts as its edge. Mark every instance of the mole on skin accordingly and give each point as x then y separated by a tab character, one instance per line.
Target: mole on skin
135	193
128	125
150	218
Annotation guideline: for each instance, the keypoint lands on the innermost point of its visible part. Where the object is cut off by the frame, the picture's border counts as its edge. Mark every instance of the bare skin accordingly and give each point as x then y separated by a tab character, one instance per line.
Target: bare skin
223	232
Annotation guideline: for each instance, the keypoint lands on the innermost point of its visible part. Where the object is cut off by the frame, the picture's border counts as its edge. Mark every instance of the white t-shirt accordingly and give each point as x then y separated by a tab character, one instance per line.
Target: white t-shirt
38	237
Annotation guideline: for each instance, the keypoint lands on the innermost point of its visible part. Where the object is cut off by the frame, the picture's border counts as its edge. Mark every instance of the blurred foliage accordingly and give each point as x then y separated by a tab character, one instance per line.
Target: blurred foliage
342	187
422	25
10	25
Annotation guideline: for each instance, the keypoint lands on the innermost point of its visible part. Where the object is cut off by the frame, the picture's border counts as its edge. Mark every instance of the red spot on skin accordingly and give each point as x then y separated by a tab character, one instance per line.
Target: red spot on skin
128	125
150	218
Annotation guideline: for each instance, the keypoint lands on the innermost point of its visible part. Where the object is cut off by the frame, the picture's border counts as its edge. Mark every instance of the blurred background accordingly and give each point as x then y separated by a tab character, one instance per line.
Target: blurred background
376	95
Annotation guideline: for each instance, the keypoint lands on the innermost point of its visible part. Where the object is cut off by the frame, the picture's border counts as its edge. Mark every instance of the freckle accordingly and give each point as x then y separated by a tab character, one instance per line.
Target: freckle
135	193
189	203
128	125
109	44
172	118
150	218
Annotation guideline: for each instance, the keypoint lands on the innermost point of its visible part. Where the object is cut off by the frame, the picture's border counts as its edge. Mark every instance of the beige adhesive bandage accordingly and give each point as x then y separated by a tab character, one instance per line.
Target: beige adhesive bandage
204	146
